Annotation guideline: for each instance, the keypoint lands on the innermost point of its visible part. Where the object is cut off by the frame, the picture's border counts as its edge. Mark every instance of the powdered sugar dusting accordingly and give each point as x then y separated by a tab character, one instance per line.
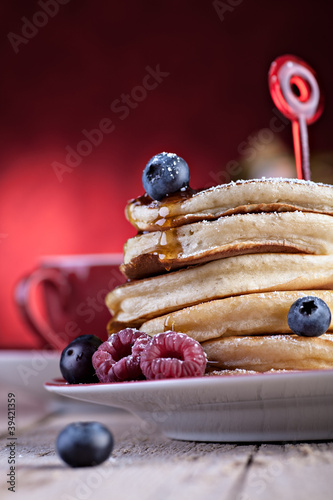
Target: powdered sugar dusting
273	180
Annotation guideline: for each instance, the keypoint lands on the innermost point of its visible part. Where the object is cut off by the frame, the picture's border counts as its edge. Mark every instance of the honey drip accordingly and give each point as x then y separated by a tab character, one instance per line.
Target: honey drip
165	206
168	248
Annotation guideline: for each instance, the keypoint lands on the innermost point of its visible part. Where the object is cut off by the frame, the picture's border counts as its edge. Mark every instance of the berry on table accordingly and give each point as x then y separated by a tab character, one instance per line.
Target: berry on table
173	355
309	317
83	444
76	360
165	174
118	359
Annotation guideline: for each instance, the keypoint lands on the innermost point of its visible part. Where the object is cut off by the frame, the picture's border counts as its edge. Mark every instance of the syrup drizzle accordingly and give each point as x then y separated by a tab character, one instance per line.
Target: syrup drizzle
163	220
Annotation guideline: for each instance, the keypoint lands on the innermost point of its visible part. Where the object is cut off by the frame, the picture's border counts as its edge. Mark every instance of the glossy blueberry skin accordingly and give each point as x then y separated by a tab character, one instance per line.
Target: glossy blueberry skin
76	360
165	174
309	317
84	444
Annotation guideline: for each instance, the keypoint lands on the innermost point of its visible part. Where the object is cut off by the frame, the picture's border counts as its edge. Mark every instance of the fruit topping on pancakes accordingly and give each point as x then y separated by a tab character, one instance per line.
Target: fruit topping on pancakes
133	355
118	359
173	355
309	317
165	174
75	361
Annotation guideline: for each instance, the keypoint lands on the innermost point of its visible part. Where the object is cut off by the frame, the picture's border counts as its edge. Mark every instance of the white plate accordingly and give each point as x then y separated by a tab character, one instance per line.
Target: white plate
239	408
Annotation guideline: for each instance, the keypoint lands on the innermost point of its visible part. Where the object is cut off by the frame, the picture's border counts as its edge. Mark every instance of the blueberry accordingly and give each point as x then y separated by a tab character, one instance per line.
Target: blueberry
83	444
165	174
76	360
309	317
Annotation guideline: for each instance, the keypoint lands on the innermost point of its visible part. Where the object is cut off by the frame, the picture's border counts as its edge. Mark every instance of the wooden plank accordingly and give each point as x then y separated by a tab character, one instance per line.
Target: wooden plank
146	465
142	465
300	471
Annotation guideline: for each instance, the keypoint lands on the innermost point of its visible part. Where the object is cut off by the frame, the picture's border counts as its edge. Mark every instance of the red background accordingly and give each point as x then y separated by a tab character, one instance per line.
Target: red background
91	52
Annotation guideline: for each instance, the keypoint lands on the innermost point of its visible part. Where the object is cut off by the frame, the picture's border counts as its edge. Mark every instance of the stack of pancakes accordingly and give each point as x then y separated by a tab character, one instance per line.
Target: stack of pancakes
224	265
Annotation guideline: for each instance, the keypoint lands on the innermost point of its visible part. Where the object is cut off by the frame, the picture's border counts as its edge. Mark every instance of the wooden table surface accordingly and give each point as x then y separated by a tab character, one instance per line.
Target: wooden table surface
151	466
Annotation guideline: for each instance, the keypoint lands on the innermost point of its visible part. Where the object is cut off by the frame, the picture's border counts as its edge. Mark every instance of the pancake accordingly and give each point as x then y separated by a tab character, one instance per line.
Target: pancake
250	196
225	264
160	251
241	315
135	302
277	352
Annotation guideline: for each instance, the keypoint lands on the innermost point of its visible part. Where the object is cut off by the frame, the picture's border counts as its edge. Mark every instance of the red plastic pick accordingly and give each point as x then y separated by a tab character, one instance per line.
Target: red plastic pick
296	93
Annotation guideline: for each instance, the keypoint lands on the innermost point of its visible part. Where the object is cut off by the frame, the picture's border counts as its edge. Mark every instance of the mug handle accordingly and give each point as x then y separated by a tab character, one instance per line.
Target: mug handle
24	293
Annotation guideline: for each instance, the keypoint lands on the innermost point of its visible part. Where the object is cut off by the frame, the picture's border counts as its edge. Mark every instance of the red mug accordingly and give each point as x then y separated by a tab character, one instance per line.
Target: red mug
64	297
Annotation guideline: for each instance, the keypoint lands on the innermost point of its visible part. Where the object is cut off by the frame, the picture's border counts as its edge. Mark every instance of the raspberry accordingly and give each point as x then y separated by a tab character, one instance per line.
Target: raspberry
173	355
115	361
140	344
